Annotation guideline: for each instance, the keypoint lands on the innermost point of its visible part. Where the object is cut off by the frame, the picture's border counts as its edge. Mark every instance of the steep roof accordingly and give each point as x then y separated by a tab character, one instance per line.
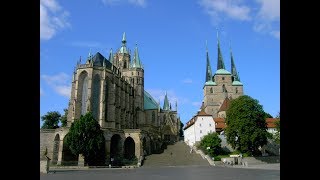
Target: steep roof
149	102
99	60
225	105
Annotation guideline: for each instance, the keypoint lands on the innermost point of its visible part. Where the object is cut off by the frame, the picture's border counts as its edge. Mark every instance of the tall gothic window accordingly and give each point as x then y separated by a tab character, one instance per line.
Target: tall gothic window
106	101
84	97
153	117
96	97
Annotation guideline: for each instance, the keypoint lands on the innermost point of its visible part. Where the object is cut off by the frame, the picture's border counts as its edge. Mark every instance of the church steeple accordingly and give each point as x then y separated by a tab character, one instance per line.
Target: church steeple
136	63
166	103
220	64
208	70
234	72
123	48
111	57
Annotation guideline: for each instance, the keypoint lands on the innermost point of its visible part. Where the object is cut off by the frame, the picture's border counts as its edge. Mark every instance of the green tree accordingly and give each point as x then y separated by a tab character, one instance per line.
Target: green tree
50	120
246	127
211	144
85	137
181	129
276	136
63	118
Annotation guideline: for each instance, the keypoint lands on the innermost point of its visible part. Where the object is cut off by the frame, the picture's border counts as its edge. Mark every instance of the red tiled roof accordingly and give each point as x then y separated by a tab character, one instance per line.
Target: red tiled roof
203	113
271	122
220	123
225	105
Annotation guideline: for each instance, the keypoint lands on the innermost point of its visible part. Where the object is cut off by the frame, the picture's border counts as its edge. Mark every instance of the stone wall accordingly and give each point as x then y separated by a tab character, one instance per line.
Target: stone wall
46	141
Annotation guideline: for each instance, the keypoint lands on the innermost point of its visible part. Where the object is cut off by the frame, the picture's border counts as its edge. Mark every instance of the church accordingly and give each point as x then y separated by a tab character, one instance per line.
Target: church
218	89
112	89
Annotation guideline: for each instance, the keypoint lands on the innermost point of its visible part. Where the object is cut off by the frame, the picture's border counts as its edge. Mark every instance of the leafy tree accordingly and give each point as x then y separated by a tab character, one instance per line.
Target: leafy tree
267	115
246	127
63	118
50	120
181	129
85	137
276	136
211	144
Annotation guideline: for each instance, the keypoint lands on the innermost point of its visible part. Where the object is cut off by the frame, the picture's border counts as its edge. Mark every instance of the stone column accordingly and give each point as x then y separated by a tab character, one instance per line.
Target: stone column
81	160
60	152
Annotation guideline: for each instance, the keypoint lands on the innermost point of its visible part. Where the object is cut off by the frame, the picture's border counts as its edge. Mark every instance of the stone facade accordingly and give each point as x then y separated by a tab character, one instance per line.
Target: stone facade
113	90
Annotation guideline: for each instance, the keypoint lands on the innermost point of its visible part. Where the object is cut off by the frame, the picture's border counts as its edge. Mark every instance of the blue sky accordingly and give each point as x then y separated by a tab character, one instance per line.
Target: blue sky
171	37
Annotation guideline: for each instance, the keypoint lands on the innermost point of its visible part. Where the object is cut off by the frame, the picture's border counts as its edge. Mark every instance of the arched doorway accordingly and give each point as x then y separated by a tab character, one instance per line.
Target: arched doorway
129	148
115	149
55	151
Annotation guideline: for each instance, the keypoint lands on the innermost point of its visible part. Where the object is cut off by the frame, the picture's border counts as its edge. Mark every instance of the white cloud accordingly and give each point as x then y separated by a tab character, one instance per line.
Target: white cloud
187	81
141	3
218	9
60	83
268	18
52	18
41	92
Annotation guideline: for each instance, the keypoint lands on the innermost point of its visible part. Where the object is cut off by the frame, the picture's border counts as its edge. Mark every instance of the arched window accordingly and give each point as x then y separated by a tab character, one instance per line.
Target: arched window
211	90
236	90
96	97
84	95
224	88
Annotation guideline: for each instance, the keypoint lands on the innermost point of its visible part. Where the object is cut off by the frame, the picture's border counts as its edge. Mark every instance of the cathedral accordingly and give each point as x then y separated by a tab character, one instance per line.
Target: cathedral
112	89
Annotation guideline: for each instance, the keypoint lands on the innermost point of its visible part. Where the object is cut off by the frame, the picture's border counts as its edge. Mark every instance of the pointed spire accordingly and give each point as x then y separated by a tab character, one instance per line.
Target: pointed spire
124	38
220	64
233	66
176	106
208	70
166	102
111	57
159	105
136	59
123	48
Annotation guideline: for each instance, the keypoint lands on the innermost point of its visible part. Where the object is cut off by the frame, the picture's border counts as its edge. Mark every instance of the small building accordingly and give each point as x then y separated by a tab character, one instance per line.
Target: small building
198	126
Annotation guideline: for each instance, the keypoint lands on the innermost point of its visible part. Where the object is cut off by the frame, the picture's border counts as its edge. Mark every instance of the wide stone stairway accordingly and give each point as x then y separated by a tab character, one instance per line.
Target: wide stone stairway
177	154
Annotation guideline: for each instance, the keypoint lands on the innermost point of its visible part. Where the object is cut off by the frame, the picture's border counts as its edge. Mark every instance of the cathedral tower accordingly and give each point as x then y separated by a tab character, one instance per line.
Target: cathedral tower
222	85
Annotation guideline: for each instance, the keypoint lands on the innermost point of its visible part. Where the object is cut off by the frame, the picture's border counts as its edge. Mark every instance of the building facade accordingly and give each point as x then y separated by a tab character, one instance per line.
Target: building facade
199	126
112	89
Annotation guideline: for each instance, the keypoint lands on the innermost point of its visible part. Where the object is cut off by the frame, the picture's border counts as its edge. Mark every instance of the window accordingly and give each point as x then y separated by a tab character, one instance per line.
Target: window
209	124
223	78
200	125
211	90
200	131
236	90
138	73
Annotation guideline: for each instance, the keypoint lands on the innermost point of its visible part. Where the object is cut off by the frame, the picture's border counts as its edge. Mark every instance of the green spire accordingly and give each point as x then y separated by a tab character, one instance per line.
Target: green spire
136	59
220	64
234	72
123	48
208	70
111	56
166	103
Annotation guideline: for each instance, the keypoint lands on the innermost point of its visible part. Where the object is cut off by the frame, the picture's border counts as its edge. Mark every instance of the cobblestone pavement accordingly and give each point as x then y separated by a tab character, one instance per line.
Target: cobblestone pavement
164	173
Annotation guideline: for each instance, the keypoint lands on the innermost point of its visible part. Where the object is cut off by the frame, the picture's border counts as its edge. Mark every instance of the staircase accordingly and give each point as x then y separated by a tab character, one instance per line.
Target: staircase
177	154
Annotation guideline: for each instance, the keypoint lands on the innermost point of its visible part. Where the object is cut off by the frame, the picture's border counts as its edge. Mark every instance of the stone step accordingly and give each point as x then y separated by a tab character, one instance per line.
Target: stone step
177	154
